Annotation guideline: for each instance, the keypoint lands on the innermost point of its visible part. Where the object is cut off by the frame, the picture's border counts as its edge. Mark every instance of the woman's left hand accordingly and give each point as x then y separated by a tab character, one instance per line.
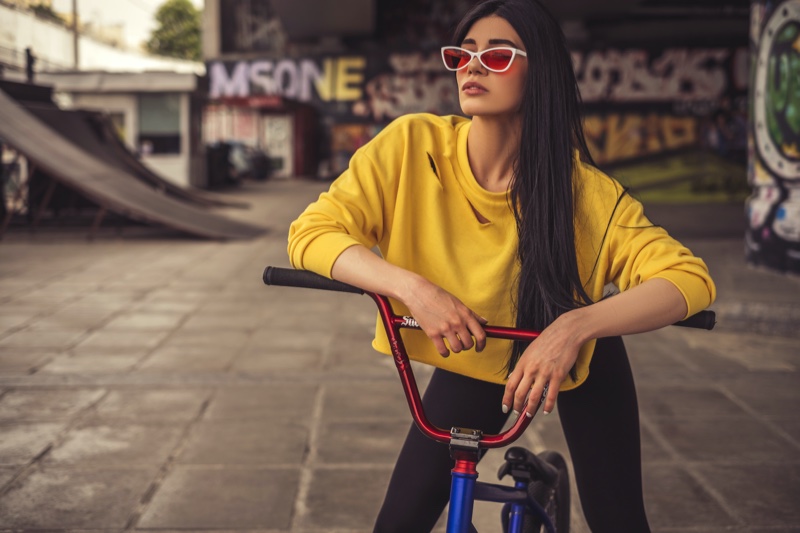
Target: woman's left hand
544	363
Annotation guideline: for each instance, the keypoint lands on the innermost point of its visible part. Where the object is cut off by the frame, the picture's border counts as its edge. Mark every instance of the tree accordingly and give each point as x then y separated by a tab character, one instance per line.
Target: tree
46	12
178	31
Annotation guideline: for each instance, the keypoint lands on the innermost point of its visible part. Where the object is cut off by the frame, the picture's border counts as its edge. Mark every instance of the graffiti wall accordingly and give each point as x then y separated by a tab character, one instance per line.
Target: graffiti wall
638	102
773	238
644	102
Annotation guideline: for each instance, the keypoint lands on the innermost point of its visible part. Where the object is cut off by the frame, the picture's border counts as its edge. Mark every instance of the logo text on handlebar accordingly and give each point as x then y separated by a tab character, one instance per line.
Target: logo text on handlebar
409	322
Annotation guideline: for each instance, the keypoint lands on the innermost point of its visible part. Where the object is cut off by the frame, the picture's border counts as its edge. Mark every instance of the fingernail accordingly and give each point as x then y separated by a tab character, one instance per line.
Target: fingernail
528	414
505	408
546	412
515	412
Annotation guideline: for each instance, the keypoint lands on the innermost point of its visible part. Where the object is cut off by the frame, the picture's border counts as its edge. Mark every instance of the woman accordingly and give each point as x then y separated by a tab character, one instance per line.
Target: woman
504	211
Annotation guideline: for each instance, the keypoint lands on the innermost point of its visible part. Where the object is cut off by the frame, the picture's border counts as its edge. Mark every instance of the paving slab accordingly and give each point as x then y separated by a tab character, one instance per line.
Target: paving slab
16	361
270	337
123	339
171	358
294	402
775	353
32	338
688	403
259	360
246	442
22	442
13	319
763	495
677	500
32	404
164	306
229	340
370	442
734	439
344	498
152	405
115	445
65	498
91	363
146	320
217	319
223	498
375	401
7	473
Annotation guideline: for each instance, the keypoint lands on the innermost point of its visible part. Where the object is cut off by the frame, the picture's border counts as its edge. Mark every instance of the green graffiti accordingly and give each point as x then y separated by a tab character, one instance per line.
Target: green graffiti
783	85
788	34
778	95
776	98
792	112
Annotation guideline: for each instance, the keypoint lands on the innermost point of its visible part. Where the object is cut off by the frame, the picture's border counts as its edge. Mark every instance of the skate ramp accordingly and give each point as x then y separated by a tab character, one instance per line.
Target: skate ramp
94	133
105	183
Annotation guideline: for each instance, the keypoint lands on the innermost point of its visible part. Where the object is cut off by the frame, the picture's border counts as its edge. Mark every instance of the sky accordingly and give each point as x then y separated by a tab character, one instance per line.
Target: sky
136	15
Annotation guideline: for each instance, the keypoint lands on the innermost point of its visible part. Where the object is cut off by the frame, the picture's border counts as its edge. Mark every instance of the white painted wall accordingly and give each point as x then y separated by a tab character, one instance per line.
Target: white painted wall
52	45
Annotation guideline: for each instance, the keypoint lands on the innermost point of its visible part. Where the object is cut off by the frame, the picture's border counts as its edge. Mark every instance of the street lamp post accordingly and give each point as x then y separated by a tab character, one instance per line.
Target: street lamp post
75	33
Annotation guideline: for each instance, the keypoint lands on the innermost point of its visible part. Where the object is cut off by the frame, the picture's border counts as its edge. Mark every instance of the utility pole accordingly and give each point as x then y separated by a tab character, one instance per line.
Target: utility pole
75	33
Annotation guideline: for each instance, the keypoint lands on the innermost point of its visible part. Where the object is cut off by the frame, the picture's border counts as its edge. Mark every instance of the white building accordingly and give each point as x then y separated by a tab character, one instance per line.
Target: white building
156	113
153	100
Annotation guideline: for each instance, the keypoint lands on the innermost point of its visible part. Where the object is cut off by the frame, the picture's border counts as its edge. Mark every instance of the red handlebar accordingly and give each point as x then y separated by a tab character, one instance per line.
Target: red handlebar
392	324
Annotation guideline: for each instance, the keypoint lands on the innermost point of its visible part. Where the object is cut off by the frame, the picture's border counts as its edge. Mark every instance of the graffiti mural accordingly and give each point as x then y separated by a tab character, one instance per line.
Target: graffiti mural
637	102
417	82
680	74
643	102
628	135
773	238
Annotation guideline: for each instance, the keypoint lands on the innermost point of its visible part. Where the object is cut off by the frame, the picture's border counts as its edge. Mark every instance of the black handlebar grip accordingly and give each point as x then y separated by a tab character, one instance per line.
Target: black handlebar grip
288	277
701	320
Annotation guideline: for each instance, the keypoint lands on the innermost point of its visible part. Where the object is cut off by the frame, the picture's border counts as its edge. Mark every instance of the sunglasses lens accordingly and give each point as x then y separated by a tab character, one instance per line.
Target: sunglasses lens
455	59
497	59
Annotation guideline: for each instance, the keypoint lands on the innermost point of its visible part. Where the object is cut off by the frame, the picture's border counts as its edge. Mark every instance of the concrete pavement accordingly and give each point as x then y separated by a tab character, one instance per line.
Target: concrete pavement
151	383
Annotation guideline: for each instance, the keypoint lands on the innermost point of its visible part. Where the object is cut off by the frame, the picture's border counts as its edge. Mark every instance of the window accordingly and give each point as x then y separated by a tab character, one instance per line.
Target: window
159	123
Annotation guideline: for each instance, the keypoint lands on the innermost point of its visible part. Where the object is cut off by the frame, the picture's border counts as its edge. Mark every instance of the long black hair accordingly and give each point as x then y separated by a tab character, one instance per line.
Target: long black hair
542	191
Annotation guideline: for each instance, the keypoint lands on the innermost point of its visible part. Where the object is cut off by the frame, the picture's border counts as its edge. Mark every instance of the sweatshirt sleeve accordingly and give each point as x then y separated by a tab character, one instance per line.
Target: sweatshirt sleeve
351	212
639	251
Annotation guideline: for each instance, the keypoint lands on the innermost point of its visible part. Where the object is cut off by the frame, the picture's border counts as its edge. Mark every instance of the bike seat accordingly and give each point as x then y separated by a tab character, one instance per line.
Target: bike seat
524	465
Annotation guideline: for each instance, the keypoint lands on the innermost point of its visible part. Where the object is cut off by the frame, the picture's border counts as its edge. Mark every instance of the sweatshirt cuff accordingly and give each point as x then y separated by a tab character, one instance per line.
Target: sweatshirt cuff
321	253
695	290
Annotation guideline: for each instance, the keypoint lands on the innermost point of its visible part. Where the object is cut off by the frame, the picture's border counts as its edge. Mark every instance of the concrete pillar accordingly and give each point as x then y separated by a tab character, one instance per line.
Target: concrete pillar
773	237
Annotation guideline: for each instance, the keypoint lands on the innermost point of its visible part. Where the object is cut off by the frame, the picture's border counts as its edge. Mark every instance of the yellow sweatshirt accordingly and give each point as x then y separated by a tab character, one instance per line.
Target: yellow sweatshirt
411	192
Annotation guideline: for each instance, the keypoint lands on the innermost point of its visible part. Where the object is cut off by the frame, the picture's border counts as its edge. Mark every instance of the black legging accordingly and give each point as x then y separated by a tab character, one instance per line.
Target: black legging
600	420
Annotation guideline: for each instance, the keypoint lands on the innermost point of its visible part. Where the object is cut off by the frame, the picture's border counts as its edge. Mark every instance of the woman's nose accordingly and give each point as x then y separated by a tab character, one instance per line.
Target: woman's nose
474	64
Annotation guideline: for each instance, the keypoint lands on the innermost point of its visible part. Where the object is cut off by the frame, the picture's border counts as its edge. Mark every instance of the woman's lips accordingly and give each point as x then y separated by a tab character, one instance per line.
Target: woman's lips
473	88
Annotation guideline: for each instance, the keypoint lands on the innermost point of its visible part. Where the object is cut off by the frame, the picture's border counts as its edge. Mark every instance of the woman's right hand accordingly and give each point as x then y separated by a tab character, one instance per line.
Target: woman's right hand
443	316
440	314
